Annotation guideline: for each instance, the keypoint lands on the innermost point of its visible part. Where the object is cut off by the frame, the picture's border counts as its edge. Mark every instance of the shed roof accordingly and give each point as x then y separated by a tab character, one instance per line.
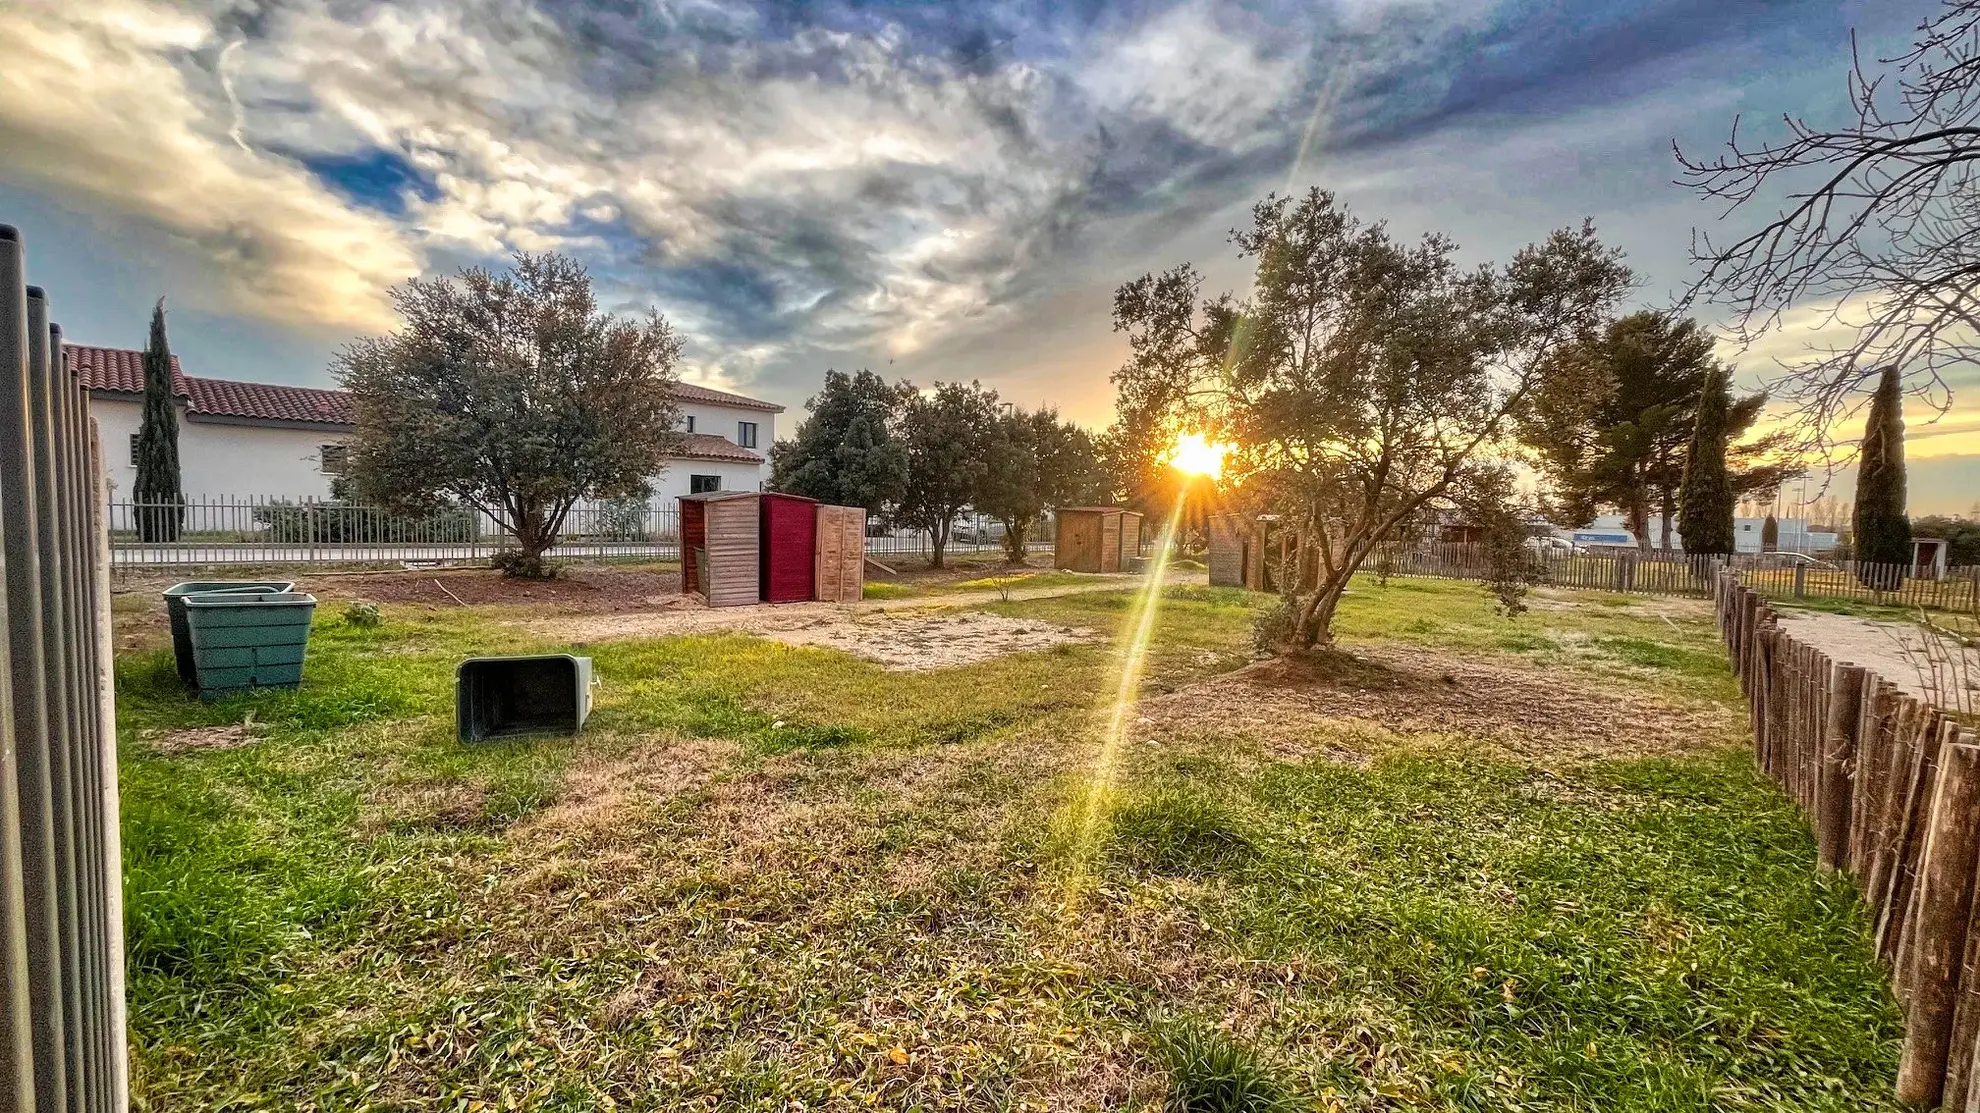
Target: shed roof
1092	510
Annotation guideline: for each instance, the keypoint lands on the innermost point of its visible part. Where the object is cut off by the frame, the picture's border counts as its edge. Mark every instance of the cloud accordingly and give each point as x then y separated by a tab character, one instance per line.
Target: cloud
795	183
99	105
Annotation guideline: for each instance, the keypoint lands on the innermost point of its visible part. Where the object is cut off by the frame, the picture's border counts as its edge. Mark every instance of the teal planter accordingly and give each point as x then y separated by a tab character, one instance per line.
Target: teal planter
243	640
175	609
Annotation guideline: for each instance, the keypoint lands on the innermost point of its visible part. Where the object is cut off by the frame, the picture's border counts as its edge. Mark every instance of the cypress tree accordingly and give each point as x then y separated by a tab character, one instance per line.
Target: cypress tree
1883	532
1770	534
1705	495
161	502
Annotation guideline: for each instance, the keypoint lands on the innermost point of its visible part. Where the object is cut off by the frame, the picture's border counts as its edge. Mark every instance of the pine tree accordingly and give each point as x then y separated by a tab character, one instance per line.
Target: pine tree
1883	533
1705	495
160	499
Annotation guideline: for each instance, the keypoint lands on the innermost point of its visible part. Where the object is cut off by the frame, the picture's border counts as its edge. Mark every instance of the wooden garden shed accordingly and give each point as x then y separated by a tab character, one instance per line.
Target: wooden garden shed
721	547
1246	554
840	575
1089	538
790	545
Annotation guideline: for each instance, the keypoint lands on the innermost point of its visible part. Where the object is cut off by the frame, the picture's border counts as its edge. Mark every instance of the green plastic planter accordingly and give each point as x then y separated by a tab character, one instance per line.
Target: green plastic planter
243	640
175	608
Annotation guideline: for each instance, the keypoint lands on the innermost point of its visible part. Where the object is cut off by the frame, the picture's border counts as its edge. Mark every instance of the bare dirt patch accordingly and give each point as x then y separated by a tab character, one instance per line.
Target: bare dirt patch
939	635
591	588
199	739
1292	707
1925	665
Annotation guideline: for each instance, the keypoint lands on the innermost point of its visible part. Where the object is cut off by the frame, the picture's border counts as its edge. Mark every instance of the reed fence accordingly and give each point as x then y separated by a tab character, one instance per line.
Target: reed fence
1890	786
1632	571
62	1044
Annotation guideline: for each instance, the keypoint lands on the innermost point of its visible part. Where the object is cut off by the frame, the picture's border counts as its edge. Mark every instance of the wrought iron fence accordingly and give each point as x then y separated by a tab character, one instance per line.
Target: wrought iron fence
62	1044
256	531
1775	575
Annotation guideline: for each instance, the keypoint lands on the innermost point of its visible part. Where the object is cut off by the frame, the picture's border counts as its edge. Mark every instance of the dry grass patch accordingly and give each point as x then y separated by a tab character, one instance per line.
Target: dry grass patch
1294	708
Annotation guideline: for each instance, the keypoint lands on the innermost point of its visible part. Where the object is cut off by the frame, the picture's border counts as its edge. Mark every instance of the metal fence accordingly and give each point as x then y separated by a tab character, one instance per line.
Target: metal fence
1775	575
61	902
254	531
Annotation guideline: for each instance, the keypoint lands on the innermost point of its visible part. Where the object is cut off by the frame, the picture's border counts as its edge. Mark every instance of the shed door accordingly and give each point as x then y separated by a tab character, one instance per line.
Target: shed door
841	561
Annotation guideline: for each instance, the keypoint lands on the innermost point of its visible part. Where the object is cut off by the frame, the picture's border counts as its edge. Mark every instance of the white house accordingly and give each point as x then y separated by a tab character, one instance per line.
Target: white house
263	440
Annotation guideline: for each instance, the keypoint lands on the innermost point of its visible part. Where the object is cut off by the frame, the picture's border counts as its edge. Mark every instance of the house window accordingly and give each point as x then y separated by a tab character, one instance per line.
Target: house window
702	484
687	424
134	439
333	457
746	434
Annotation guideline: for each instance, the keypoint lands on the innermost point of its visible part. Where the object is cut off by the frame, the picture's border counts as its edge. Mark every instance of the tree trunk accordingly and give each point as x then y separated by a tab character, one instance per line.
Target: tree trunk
938	540
1014	533
1664	540
1639	518
1315	626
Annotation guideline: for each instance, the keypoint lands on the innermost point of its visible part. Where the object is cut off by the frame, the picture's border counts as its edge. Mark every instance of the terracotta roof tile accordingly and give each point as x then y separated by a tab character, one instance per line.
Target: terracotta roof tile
706	446
122	370
688	392
116	369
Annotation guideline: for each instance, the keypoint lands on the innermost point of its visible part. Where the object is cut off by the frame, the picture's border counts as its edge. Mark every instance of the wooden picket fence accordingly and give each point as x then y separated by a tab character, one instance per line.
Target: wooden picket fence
1891	787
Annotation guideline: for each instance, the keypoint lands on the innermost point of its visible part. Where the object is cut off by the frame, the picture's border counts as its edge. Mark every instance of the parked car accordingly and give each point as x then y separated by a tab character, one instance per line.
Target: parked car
1790	560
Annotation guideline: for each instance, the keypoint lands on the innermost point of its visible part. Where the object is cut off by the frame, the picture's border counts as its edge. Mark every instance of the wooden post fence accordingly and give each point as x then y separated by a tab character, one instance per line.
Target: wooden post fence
1890	786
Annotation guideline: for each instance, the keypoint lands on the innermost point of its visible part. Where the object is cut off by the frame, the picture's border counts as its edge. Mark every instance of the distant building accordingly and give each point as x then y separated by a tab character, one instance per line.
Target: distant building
264	440
1611	531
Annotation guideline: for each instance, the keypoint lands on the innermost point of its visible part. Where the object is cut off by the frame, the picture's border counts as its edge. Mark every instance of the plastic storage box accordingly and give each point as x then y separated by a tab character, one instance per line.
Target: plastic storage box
242	640
511	697
175	609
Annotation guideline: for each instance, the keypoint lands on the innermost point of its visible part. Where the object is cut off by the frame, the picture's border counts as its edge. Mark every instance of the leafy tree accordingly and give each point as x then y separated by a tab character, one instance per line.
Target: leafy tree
1362	382
513	394
1883	532
1034	462
1876	218
846	452
1609	425
158	493
1706	497
946	434
1962	535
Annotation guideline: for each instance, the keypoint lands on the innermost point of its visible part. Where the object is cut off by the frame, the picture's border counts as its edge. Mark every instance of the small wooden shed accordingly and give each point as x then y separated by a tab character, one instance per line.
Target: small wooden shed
1088	538
790	546
1246	554
721	547
840	576
1130	536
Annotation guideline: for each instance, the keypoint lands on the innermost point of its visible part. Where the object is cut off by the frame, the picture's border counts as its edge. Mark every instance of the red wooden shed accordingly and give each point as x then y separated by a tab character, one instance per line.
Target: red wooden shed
790	546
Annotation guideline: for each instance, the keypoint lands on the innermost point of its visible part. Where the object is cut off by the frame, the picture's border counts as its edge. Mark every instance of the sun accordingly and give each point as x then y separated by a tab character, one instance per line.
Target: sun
1192	455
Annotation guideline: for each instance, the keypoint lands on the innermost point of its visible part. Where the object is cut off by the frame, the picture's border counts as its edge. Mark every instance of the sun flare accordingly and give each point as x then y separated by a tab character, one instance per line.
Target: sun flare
1193	455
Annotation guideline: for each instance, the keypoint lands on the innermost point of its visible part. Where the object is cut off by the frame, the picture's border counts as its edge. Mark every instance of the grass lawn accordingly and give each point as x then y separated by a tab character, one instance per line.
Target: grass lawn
1486	864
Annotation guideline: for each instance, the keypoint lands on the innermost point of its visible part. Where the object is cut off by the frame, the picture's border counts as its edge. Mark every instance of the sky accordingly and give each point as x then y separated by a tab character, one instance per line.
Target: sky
939	192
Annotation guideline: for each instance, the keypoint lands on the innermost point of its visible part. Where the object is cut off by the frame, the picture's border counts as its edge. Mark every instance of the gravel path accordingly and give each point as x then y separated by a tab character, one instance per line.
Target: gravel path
1923	664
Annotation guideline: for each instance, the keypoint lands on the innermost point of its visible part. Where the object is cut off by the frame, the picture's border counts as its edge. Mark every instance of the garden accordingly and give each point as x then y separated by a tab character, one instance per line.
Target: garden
1460	862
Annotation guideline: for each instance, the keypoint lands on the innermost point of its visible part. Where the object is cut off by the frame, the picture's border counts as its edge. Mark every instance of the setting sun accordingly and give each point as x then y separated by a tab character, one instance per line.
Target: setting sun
1193	455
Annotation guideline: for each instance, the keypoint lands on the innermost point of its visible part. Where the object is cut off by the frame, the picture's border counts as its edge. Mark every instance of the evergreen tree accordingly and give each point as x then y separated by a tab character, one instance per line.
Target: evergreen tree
160	499
1770	534
846	452
1883	533
1706	495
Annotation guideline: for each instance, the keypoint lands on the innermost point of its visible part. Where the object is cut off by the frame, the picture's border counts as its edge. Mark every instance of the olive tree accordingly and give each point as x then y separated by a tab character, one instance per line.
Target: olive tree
1362	383
513	394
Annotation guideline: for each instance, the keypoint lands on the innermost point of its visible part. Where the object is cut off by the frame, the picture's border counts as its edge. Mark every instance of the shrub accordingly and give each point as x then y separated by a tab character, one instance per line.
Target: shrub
522	565
362	616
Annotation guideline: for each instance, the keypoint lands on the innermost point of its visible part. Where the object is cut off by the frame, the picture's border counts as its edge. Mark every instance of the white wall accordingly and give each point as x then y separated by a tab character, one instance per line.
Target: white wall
721	421
219	460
